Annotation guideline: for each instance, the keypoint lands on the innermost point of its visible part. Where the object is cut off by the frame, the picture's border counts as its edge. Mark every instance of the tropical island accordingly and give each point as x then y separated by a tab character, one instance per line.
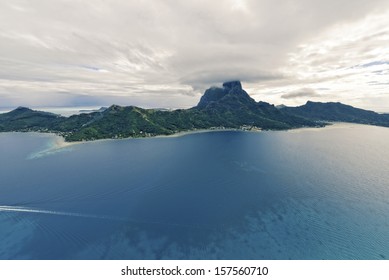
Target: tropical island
227	107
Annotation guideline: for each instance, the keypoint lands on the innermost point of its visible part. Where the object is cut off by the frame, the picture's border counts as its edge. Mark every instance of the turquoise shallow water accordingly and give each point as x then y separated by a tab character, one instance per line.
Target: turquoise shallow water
304	194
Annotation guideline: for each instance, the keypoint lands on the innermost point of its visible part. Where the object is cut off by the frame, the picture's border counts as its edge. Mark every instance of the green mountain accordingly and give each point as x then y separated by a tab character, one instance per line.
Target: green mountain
231	106
25	119
220	107
339	112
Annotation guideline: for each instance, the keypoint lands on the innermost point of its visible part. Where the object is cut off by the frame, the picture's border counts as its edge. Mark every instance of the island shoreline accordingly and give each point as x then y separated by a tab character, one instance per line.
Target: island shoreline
59	143
66	144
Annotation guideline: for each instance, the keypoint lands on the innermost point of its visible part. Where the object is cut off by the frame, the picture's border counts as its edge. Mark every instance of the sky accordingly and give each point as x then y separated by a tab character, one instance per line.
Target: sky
166	53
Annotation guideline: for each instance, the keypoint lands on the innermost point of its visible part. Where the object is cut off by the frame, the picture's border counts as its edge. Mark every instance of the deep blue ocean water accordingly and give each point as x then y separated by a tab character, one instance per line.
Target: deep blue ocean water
303	194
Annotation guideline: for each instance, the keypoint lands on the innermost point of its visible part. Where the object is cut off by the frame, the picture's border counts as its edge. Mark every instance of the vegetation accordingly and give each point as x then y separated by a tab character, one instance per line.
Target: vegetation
226	107
337	112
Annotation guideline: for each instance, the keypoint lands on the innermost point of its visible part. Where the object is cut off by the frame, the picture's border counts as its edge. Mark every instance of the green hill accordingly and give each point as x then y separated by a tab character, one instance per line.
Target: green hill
339	112
225	107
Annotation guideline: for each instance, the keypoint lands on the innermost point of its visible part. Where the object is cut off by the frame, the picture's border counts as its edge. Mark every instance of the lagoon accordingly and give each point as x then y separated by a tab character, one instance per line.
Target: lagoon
318	193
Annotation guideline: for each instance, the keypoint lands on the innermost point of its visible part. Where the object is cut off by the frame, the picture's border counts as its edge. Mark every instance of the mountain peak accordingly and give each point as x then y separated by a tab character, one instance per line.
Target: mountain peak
231	92
232	85
21	108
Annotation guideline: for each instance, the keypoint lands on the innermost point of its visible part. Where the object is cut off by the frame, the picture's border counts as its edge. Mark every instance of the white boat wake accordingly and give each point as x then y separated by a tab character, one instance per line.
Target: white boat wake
20	209
6	208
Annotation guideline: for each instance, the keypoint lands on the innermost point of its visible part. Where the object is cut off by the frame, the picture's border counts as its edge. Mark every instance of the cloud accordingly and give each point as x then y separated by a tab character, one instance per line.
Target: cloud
304	92
375	63
143	50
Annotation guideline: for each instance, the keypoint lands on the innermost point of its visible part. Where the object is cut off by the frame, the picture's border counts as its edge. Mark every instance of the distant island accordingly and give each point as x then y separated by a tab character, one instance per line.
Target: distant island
227	107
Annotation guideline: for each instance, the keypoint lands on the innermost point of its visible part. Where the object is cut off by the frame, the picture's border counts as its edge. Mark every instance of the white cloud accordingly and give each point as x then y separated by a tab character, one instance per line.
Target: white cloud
149	53
347	63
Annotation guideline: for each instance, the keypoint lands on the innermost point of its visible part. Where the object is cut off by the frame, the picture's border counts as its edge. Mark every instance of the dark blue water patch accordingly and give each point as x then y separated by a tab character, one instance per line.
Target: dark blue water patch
308	194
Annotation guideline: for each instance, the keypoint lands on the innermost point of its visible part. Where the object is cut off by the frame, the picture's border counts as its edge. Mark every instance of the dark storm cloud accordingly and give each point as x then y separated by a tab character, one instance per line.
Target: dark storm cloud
304	92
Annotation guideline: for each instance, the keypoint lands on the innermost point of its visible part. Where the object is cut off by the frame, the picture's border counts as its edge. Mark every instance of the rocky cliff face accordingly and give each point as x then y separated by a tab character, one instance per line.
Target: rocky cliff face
231	91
